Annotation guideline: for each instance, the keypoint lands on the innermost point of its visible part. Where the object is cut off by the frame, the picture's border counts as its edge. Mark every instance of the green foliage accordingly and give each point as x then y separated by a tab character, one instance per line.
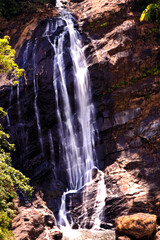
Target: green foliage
7	58
147	96
11	8
104	24
133	80
115	86
2	113
4	220
10	181
5	224
151	13
100	23
10	178
153	71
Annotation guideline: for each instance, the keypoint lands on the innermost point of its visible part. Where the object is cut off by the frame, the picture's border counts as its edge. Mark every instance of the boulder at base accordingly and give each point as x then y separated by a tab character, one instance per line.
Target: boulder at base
137	226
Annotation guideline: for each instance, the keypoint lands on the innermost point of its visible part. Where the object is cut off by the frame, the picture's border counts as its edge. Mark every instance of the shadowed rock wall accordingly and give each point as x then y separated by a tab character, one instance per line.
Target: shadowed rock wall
123	57
32	114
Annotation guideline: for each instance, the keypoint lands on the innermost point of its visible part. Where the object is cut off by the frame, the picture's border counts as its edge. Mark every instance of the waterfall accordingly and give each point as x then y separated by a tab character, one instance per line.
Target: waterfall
77	147
36	95
21	121
10	100
11	95
60	4
25	59
18	103
76	129
25	55
71	124
8	120
51	146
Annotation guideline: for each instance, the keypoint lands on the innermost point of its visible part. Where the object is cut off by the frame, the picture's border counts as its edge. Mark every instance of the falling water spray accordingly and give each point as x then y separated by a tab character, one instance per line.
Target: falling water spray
77	148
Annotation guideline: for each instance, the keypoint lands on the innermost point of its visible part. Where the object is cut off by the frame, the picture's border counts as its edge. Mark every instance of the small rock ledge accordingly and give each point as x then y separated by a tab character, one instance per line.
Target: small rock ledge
35	222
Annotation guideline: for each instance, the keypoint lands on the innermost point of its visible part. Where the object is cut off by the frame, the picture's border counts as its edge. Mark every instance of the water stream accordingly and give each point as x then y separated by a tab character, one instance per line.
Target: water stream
25	60
10	101
36	96
75	115
76	129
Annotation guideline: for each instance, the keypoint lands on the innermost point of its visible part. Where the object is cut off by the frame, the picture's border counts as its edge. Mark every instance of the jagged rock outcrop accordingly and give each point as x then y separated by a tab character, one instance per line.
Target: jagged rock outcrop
35	221
123	58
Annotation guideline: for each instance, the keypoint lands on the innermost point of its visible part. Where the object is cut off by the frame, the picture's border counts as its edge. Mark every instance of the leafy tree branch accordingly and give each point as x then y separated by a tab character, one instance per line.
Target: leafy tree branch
11	179
151	13
7	59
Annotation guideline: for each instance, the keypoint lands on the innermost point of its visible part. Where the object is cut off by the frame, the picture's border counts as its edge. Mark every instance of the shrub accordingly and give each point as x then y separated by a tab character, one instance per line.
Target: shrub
151	13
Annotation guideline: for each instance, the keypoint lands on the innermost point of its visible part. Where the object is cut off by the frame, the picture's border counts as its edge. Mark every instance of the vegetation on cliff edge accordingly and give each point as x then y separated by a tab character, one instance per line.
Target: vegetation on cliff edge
11	179
151	12
7	59
11	8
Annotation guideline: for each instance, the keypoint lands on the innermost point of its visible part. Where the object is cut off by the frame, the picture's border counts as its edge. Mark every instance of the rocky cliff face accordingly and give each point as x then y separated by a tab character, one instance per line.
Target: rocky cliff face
123	59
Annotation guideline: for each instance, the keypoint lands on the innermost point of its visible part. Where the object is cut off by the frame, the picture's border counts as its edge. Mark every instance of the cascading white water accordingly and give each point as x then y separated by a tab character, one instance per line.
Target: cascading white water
18	103
76	130
77	147
60	4
25	54
36	95
99	201
11	95
25	63
78	155
10	100
25	58
51	147
8	120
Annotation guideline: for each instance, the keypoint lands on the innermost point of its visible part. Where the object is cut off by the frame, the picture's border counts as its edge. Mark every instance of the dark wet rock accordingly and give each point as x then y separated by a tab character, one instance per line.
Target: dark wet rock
149	130
118	118
125	116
